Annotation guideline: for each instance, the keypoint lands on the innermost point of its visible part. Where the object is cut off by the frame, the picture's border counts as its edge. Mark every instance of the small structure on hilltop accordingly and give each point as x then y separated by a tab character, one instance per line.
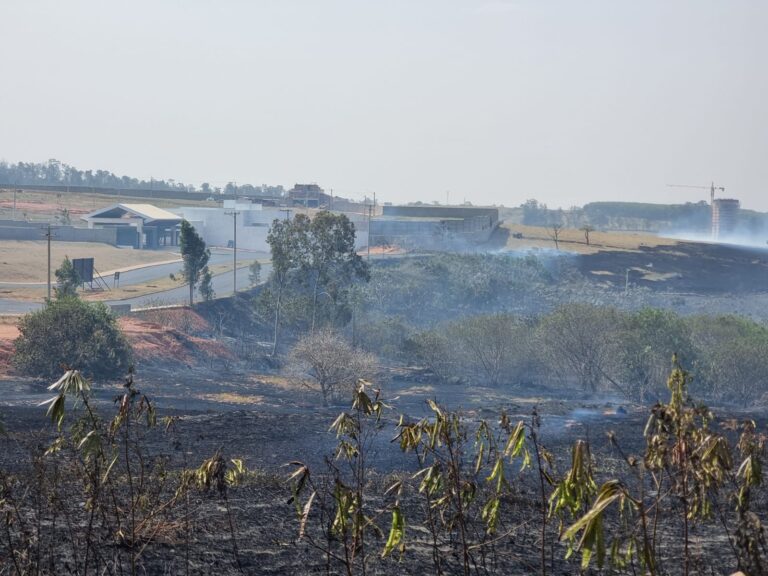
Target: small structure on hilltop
309	196
138	225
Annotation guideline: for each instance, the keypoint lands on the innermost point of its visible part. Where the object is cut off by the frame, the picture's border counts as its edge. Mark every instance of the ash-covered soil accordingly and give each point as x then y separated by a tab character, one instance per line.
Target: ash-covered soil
690	267
269	423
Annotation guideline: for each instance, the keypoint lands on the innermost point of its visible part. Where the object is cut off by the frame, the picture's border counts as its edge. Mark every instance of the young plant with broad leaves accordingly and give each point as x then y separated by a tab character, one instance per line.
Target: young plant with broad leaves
100	498
347	516
684	477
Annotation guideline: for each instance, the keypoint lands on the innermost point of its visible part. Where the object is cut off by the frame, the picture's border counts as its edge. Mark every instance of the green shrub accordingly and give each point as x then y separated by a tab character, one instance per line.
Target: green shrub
74	334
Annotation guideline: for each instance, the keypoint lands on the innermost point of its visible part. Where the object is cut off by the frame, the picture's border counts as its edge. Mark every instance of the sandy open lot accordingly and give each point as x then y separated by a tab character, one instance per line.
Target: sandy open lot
26	261
38	205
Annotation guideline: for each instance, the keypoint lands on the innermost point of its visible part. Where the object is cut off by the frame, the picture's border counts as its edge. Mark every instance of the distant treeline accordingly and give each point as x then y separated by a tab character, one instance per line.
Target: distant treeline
621	215
678	218
55	173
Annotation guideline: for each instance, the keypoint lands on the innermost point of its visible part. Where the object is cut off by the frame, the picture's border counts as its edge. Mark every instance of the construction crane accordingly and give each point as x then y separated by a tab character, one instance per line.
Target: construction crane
711	189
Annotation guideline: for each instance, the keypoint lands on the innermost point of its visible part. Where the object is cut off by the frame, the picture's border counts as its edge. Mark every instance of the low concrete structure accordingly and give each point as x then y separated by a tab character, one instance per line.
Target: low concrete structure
433	227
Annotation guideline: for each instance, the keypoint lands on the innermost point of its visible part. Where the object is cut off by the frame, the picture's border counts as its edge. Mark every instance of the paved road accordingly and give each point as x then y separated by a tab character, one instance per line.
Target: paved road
222	286
18	306
153	272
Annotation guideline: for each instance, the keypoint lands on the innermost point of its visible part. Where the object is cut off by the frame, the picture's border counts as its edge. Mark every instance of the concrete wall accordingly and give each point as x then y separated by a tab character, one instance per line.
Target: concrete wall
18	230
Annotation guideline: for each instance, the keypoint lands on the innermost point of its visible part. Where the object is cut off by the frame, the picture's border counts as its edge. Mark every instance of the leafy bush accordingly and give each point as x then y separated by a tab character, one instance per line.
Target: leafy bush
72	333
326	362
67	280
598	348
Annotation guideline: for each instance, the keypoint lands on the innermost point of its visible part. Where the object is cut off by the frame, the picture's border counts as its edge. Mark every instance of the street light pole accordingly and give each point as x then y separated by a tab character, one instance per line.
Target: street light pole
48	237
234	214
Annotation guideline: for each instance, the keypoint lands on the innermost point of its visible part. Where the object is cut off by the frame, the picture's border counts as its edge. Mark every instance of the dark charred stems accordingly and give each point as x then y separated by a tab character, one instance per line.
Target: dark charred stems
535	426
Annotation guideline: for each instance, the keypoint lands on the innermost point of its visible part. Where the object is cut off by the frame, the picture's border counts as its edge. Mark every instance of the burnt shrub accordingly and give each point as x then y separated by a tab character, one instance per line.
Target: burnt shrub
71	333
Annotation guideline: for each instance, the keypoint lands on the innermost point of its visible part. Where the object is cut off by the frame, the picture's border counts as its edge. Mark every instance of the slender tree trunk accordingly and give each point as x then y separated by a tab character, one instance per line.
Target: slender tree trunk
314	306
191	291
277	318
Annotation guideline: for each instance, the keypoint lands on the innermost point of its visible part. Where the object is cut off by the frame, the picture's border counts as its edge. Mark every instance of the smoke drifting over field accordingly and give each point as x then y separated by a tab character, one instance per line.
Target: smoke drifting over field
758	239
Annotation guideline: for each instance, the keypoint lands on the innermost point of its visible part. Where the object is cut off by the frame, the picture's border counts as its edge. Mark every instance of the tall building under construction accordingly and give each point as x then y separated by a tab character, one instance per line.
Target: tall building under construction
725	213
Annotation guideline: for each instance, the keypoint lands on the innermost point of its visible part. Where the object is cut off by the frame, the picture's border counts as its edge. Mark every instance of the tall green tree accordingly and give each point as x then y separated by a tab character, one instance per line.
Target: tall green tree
288	243
254	273
314	258
67	280
195	255
332	264
206	285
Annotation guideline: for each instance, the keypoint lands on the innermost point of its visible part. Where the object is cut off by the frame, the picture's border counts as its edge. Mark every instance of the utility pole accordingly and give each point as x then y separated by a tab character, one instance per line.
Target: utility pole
15	191
370	207
234	214
48	236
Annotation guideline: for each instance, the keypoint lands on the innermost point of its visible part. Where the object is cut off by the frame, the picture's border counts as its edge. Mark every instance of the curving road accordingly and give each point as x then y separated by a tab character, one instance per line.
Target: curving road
143	274
222	286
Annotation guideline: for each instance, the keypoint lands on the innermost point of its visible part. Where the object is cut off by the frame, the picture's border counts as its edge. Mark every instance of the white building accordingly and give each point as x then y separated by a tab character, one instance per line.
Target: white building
217	225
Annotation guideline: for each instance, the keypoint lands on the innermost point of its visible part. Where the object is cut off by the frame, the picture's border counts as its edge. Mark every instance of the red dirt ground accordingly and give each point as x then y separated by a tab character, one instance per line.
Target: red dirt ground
8	333
166	341
155	343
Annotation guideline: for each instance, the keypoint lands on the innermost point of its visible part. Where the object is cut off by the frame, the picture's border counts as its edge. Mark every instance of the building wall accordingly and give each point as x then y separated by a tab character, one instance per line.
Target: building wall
216	226
431	234
17	230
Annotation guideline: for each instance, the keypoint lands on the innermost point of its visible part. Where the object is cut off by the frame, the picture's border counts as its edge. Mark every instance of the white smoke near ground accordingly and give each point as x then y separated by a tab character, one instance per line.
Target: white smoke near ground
755	240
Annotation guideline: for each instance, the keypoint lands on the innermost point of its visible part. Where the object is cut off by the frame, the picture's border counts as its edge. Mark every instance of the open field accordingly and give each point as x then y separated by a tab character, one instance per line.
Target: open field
41	205
572	240
25	261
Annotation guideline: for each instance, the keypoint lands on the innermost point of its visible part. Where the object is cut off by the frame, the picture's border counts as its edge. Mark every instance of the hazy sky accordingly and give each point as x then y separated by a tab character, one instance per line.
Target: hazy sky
493	101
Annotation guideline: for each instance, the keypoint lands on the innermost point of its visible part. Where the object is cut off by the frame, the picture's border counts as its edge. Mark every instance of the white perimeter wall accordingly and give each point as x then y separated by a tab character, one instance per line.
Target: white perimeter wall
215	225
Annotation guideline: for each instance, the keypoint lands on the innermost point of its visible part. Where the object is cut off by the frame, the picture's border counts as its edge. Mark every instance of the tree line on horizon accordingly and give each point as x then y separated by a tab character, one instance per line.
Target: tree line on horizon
56	173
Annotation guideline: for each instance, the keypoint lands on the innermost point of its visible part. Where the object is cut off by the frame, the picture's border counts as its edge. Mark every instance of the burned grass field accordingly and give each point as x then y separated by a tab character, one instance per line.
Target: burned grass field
252	525
521	418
